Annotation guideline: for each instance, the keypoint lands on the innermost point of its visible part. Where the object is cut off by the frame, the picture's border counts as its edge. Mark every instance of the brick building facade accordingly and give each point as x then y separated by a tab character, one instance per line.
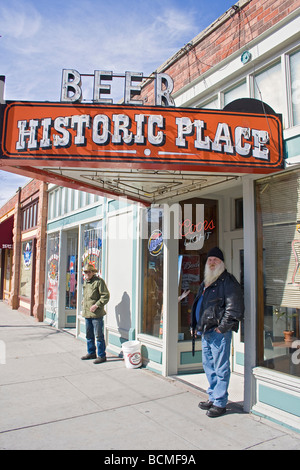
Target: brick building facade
23	222
234	30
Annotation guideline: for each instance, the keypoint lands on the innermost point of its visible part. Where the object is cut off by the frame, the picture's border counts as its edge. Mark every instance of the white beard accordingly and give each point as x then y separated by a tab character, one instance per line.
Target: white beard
211	275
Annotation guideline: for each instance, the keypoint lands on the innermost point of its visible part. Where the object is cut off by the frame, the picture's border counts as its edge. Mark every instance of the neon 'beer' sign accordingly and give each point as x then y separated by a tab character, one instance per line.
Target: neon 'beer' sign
71	88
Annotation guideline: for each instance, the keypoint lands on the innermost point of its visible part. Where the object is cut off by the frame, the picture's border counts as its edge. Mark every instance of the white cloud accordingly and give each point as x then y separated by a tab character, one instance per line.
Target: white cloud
84	38
9	185
19	20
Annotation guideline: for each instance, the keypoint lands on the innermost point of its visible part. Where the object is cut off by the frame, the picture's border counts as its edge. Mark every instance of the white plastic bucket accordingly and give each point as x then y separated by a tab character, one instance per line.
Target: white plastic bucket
132	354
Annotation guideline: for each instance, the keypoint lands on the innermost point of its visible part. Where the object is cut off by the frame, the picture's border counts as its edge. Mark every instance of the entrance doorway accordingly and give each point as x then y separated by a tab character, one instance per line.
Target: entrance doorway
199	233
235	264
27	276
71	279
236	385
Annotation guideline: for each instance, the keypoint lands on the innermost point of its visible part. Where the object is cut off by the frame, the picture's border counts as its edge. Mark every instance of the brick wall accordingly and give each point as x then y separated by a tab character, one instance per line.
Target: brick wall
224	37
8	206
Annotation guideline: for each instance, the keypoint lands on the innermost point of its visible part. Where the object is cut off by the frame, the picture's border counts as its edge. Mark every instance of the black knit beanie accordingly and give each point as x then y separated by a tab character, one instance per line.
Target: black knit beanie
216	252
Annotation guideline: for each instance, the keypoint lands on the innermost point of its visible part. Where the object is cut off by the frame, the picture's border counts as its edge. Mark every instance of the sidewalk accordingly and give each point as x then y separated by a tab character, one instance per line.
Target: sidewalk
50	399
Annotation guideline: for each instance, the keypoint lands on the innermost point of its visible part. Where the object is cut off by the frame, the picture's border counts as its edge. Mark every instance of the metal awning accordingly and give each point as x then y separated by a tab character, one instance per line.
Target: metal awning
6	233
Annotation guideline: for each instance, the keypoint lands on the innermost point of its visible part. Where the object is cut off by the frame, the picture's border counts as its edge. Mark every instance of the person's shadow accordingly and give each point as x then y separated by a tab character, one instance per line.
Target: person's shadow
123	315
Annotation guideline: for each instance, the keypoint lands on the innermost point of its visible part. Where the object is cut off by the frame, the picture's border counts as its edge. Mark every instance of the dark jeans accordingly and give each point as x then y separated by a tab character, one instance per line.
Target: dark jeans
94	330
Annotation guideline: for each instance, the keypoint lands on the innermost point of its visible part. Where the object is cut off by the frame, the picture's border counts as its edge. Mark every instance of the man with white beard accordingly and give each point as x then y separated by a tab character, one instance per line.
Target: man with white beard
216	312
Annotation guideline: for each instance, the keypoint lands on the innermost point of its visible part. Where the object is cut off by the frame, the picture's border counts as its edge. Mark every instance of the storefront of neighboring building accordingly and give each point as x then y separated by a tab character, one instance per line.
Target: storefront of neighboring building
22	232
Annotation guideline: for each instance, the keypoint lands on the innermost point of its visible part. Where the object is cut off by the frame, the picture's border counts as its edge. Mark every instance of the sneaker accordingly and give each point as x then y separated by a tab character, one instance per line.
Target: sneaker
88	356
205	405
99	360
215	411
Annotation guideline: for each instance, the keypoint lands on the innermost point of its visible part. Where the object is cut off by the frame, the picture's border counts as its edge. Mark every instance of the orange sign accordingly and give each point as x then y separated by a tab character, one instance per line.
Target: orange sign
73	135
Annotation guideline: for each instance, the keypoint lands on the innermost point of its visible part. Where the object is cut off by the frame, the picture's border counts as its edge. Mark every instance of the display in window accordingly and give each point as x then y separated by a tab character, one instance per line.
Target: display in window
189	282
92	246
198	231
278	212
27	255
26	269
71	283
52	274
71	274
153	243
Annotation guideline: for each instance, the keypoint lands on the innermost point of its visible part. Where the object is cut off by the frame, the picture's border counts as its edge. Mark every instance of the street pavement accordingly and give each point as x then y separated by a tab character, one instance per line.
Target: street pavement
51	400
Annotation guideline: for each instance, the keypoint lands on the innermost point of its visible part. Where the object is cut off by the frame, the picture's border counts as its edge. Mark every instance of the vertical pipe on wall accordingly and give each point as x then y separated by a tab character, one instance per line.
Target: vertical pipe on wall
250	290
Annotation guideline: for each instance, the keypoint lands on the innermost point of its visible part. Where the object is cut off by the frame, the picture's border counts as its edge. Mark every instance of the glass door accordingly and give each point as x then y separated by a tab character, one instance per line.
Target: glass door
27	275
199	233
7	273
71	279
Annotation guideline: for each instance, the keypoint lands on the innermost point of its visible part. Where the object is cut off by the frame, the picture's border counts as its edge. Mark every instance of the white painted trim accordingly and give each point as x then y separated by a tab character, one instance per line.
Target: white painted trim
249	289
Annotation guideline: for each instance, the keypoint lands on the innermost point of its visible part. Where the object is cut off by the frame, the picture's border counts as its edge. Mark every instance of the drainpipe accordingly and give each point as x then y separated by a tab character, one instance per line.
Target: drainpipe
250	291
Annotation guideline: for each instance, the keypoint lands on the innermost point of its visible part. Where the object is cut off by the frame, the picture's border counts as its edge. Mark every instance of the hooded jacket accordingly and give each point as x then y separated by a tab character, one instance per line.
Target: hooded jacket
222	305
94	292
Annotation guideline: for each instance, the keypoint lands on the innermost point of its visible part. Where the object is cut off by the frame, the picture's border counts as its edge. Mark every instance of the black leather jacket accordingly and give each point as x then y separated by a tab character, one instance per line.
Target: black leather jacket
222	305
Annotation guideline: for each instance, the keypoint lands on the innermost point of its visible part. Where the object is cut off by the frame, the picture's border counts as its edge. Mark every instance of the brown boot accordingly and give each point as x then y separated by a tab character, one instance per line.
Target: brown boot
99	360
88	356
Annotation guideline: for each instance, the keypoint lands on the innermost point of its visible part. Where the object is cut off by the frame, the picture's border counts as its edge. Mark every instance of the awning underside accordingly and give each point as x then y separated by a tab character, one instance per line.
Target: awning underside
6	233
148	186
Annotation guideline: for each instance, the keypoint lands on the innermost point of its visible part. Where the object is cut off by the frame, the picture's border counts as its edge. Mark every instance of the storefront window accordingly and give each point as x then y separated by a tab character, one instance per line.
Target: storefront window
26	268
72	263
213	104
295	82
52	273
92	245
7	269
240	91
152	258
199	233
268	87
278	212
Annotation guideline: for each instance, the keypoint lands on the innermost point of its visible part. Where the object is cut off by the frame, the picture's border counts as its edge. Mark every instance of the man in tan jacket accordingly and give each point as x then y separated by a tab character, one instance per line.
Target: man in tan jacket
95	297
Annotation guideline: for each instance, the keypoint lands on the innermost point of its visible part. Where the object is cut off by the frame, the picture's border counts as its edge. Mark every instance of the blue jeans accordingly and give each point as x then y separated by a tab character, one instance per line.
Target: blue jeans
216	363
94	329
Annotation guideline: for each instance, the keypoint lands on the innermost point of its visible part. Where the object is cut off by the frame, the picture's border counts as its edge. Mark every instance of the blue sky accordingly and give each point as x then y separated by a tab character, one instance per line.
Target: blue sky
40	38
